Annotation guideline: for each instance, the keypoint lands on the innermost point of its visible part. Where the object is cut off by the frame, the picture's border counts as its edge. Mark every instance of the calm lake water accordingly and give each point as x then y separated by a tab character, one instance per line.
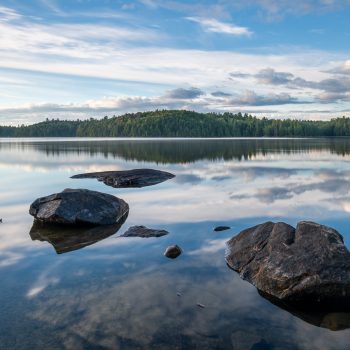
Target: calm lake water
122	293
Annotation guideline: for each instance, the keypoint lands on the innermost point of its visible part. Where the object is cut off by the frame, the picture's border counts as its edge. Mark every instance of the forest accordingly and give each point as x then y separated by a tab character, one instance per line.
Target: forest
181	123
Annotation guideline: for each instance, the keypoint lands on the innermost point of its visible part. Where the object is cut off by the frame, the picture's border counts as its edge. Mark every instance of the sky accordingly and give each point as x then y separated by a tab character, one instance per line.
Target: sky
72	59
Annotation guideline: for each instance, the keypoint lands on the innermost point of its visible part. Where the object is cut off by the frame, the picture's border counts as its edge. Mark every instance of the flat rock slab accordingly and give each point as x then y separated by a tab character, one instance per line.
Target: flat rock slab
68	238
144	232
79	207
309	263
128	178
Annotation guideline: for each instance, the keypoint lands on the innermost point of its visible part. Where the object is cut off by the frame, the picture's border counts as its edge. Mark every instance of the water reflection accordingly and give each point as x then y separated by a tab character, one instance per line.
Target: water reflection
174	151
123	293
332	317
68	238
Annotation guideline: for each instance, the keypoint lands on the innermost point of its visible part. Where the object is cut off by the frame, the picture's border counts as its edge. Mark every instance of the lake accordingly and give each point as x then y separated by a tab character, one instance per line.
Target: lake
121	292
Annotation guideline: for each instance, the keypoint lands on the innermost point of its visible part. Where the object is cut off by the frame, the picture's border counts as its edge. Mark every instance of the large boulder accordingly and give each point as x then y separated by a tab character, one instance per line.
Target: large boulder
309	263
128	178
79	206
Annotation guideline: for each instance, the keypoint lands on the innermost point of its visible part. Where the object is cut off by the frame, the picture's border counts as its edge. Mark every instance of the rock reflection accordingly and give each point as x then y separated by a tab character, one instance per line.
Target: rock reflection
335	318
65	239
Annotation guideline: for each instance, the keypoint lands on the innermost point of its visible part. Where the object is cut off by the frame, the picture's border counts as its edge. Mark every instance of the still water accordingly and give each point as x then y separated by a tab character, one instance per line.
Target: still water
122	293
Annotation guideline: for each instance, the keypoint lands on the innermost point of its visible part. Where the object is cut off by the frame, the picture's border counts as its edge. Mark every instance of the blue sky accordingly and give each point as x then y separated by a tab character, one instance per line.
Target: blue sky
90	58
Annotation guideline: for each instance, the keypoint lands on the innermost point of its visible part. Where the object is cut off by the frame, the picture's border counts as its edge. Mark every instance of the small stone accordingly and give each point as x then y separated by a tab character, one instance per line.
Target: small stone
221	228
173	251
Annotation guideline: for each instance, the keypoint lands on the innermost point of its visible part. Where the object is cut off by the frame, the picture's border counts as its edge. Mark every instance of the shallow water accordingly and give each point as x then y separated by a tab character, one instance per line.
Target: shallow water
122	293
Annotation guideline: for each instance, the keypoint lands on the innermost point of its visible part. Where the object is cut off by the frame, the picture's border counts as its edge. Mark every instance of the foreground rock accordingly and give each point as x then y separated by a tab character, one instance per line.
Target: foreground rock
173	251
74	207
69	238
144	232
309	263
128	178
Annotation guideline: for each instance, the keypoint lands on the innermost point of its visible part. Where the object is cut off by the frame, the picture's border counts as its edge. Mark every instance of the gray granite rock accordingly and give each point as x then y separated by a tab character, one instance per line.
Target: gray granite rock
79	206
309	263
128	178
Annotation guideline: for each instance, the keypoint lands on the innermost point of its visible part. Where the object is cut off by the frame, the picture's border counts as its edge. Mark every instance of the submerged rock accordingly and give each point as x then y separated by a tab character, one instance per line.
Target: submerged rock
173	251
309	263
221	228
128	178
68	238
144	232
76	207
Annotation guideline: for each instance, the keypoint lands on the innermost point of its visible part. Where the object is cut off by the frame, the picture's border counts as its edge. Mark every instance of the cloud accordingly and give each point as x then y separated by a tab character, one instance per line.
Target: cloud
270	76
62	40
214	26
9	258
220	94
180	98
342	69
44	280
8	14
333	182
277	9
250	98
333	89
184	94
149	3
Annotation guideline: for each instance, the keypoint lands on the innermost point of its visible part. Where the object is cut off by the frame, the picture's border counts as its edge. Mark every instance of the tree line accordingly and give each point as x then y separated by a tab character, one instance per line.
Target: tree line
180	123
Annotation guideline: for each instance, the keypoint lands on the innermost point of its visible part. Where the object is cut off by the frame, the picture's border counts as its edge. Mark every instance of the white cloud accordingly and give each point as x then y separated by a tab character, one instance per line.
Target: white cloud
44	280
214	26
134	54
7	14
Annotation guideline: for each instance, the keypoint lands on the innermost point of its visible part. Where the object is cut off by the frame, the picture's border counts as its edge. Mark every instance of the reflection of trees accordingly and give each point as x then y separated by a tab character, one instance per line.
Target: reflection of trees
185	151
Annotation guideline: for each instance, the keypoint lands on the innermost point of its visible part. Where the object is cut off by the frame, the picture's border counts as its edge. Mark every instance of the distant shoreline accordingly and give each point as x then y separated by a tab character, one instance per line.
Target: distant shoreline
181	124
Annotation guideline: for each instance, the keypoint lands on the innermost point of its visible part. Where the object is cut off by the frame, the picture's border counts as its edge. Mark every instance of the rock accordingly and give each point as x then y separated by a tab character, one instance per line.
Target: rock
144	232
79	207
69	238
309	263
128	178
221	228
173	251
